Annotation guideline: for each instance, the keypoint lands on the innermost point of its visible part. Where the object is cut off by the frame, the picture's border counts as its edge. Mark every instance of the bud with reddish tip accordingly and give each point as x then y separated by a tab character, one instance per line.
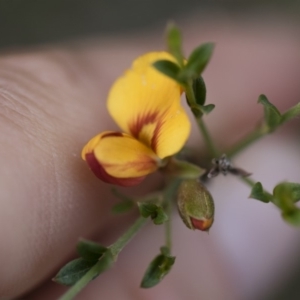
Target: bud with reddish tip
195	205
119	159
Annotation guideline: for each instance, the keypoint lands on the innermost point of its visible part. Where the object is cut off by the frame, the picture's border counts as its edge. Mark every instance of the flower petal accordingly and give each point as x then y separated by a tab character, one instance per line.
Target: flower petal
146	104
99	171
113	156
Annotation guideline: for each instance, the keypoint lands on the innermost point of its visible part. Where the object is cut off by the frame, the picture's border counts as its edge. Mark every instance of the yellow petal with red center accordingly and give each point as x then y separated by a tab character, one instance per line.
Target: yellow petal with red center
146	104
118	158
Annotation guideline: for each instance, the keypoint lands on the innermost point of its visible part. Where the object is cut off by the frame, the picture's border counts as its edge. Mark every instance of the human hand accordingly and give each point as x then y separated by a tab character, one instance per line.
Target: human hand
52	101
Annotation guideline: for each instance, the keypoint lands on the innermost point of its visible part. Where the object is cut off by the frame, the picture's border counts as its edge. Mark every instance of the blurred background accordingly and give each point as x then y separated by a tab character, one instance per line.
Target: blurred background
259	250
33	22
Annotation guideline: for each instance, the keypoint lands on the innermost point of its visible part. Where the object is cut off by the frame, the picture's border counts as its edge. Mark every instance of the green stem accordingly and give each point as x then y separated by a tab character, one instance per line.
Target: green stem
247	141
259	132
83	281
251	184
117	247
207	138
168	226
198	116
169	194
248	181
99	267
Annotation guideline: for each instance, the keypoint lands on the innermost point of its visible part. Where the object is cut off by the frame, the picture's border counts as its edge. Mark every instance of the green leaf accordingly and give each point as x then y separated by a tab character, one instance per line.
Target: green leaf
285	195
272	115
169	68
288	189
199	89
147	209
291	113
292	217
196	109
160	217
89	250
157	270
154	211
197	61
174	42
199	110
208	108
123	207
73	271
258	193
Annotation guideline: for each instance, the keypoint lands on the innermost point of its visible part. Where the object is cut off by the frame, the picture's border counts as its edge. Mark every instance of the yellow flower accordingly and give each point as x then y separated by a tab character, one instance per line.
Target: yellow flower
146	106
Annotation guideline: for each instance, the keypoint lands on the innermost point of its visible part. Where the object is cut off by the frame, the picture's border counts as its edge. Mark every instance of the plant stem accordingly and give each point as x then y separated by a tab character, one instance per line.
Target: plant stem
99	267
168	226
117	247
198	116
207	138
247	141
248	181
83	281
168	199
262	130
267	195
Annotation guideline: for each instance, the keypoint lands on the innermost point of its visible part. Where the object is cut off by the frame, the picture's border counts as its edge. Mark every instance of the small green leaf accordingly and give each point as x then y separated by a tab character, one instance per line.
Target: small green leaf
168	68
89	250
147	209
196	109
199	89
292	217
285	195
73	271
154	211
258	193
157	270
197	61
288	189
160	217
272	115
174	42
123	207
291	113
208	108
77	268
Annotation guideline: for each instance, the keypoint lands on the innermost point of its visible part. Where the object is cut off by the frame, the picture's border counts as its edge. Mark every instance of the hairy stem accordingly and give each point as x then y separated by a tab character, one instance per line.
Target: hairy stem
248	181
207	138
117	247
168	226
246	141
169	195
199	118
100	266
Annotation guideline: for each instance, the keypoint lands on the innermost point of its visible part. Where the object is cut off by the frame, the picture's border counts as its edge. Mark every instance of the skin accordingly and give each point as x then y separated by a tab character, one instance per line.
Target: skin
52	102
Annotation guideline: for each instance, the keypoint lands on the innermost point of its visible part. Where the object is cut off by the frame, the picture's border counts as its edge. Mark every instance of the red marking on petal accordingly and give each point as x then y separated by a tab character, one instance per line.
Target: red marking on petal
99	171
202	225
115	133
154	139
149	118
142	120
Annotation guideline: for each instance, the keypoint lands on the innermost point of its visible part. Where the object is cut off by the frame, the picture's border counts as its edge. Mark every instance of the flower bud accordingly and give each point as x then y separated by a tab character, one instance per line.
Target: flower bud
195	205
119	159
